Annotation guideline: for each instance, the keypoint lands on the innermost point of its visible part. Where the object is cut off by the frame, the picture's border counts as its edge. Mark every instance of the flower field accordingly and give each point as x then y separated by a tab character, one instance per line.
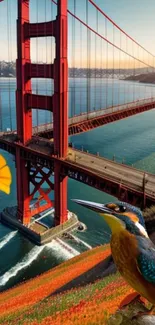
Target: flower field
33	302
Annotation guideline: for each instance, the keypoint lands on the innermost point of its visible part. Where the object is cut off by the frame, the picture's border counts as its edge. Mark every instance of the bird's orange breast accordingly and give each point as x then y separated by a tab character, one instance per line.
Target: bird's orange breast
124	249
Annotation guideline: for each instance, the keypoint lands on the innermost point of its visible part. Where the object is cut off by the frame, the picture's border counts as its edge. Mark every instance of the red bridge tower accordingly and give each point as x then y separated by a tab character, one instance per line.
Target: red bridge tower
57	104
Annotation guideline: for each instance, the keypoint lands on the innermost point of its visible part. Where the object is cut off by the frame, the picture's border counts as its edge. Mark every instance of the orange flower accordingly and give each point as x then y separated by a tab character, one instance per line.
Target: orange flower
33	291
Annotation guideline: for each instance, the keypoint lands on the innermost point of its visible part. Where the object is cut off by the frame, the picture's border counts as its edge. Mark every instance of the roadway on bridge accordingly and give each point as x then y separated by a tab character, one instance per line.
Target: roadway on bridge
120	173
128	177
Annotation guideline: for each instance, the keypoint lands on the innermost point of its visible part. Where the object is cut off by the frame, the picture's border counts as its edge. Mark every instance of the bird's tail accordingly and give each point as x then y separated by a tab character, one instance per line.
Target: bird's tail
5	176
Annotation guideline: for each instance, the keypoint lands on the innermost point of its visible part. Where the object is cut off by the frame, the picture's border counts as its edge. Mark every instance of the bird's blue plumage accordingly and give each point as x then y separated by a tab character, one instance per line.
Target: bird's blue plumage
135	210
146	258
130	225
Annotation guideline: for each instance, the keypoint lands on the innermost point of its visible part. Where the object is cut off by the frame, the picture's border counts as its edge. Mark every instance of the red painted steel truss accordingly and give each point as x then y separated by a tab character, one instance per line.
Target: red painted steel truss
40	187
39	177
92	123
97	121
107	185
80	174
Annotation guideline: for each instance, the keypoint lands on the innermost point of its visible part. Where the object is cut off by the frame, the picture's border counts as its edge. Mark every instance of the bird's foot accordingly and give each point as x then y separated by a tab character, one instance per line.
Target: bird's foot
131	298
145	313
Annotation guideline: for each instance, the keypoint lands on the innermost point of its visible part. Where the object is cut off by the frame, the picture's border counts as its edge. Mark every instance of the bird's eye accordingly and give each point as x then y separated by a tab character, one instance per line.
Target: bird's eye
122	209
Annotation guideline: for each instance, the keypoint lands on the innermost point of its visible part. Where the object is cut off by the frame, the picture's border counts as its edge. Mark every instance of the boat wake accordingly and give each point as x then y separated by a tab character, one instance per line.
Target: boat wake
7	238
26	261
57	246
62	249
80	241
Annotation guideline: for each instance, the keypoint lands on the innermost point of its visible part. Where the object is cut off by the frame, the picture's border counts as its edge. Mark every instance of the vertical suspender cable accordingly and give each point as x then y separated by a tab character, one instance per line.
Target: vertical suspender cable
154	74
90	76
37	86
133	72
95	105
9	62
113	68
101	69
138	72
125	69
88	71
73	60
73	65
72	75
107	99
45	69
119	87
31	88
80	68
1	123
151	85
52	18
74	44
88	61
148	73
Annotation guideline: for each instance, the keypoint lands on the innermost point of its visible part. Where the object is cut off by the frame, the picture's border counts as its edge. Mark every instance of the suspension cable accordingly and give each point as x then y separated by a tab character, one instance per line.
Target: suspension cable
109	42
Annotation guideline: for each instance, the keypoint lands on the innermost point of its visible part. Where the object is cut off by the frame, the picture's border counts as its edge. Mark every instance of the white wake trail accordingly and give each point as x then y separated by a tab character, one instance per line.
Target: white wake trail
78	240
7	238
62	249
27	260
57	246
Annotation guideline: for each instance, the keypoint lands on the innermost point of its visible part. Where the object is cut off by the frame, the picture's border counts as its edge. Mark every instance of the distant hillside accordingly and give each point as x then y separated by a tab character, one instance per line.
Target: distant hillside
144	77
8	69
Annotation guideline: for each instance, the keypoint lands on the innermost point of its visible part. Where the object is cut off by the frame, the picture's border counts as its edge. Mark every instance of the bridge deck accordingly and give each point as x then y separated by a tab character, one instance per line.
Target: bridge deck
127	176
89	120
127	183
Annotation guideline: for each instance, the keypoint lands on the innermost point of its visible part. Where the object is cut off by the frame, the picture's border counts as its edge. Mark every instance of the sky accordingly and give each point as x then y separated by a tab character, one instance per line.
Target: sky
136	17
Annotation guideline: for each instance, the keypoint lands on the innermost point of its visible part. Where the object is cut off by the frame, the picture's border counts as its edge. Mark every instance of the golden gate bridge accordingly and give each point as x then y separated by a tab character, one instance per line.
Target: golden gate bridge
103	52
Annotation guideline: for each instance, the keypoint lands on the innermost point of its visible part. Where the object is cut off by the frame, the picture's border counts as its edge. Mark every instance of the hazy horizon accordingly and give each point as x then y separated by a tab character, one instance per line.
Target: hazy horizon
135	17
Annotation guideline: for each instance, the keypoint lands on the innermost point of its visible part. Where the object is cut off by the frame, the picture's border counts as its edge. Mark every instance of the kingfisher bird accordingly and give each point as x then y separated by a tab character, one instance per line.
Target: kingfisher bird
132	250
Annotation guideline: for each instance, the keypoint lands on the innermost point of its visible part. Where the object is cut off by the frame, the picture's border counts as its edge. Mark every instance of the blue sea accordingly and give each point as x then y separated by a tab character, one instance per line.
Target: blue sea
131	140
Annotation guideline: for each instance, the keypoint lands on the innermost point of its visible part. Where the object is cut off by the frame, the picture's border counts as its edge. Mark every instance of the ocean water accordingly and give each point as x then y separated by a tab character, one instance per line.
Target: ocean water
131	140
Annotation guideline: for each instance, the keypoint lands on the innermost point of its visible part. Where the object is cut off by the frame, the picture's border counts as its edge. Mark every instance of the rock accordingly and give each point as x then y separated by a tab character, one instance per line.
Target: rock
125	316
146	320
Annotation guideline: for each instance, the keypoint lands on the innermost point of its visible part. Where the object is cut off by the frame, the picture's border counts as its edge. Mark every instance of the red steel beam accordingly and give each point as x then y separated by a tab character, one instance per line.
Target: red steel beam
45	29
39	70
40	102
